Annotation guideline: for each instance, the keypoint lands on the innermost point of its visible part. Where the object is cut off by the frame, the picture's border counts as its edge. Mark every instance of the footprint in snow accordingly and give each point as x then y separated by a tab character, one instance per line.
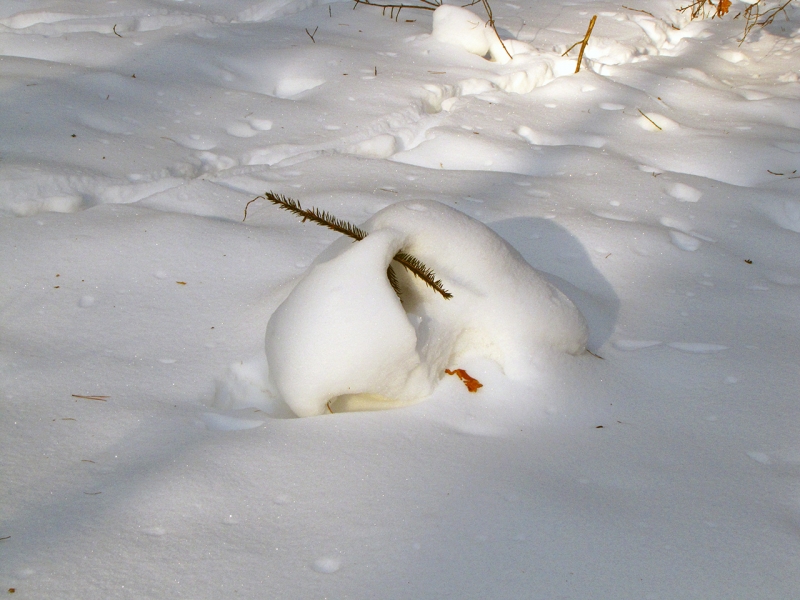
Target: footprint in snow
195	141
684	193
381	146
785	214
259	124
327	565
240	130
216	422
289	87
753	94
684	241
760	457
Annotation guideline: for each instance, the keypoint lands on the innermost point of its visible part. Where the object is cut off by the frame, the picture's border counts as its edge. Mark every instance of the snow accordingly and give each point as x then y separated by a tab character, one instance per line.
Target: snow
142	451
343	333
462	27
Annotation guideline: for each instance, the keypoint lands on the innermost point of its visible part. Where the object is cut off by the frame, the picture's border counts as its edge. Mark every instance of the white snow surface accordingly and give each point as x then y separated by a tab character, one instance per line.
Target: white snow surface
144	452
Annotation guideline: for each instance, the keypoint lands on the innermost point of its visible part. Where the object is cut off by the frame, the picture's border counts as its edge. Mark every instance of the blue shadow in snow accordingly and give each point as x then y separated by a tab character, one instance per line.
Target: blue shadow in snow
564	262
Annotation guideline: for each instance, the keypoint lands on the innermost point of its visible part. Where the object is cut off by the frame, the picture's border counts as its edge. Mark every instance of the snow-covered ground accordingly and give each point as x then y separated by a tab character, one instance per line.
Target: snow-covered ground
658	189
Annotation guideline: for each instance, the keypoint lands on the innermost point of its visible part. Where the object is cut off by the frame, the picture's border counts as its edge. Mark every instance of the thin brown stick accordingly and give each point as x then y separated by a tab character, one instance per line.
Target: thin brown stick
585	41
649	119
698	8
246	206
398	7
638	10
98	398
753	13
490	23
568	50
311	35
652	15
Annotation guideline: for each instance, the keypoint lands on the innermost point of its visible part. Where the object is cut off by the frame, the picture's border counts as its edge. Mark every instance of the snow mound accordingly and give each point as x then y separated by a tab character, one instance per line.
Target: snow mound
342	338
461	27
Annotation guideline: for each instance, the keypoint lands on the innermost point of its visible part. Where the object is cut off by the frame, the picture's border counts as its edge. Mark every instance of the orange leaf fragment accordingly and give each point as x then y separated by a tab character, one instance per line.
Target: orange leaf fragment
723	6
469	381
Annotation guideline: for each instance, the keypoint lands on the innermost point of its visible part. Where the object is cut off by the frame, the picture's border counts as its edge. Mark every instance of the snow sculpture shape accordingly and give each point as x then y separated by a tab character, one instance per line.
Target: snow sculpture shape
343	336
461	27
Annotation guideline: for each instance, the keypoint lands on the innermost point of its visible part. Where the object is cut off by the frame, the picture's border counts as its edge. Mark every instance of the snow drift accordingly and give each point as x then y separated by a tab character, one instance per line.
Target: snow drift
343	338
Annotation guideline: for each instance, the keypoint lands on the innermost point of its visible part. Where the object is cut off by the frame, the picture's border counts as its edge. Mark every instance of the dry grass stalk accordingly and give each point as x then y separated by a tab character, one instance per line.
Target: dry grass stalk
490	23
649	119
755	15
583	43
423	5
651	15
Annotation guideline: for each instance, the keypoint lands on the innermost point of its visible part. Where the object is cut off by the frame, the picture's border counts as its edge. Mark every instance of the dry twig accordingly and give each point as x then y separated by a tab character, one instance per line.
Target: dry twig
424	5
490	23
755	15
649	119
583	43
651	15
432	5
98	398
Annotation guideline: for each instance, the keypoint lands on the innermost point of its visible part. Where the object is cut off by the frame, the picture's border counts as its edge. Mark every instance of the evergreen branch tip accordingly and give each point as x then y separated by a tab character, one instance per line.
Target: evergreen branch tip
325	219
418	268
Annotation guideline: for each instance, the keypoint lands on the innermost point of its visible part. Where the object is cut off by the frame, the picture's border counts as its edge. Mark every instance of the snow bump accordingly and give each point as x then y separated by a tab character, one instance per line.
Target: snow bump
343	339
